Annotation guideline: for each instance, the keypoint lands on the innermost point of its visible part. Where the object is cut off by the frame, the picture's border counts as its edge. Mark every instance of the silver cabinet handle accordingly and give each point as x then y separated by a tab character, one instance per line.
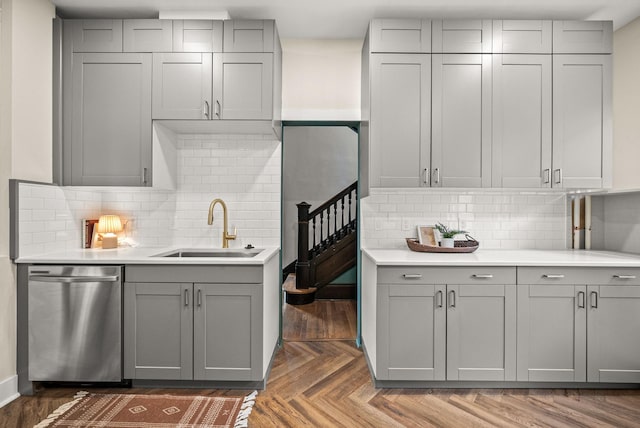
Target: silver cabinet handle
199	297
552	276
594	299
217	109
437	173
546	176
581	299
452	299
558	175
439	299
624	276
186	297
144	176
482	275
412	276
426	176
205	109
73	279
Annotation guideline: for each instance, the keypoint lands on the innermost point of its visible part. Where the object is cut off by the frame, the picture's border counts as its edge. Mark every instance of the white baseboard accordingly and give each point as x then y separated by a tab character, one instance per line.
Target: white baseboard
8	390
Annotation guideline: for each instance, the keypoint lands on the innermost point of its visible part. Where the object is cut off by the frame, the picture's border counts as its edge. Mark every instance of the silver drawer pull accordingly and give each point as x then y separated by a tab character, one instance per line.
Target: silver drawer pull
439	302
412	275
624	276
553	276
482	275
581	299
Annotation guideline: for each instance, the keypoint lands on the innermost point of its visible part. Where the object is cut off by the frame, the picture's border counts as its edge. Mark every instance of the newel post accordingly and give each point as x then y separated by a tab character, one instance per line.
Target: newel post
303	265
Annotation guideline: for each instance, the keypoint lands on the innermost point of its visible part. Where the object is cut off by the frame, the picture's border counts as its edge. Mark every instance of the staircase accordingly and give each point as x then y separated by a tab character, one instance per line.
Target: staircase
327	245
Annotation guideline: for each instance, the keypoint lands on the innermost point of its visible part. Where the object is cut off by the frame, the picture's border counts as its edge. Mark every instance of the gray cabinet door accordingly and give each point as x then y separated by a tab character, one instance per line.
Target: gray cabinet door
582	123
227	332
461	121
147	35
411	332
110	120
243	86
613	333
194	35
521	147
461	36
400	120
182	86
400	35
582	37
158	331
481	332
96	35
248	35
552	336
522	36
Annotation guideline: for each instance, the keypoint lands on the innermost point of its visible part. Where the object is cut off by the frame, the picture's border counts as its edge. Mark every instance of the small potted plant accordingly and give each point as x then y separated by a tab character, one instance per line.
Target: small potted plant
447	235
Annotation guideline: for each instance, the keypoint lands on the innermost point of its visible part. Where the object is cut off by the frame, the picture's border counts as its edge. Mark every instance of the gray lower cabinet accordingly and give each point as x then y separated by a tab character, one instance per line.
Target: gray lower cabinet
579	325
462	331
108	116
192	331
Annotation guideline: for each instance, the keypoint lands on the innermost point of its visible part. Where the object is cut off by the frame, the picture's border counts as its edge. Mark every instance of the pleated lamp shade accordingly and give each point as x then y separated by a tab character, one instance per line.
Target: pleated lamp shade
109	225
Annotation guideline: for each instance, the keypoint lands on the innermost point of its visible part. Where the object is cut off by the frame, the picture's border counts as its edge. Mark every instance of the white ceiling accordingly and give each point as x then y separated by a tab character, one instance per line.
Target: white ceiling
348	19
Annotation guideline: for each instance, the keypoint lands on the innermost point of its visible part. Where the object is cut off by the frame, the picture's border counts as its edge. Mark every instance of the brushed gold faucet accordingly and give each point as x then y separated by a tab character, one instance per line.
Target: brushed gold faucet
226	237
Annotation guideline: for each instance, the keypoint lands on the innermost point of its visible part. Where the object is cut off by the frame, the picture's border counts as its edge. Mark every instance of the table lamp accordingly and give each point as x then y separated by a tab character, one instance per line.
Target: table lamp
108	226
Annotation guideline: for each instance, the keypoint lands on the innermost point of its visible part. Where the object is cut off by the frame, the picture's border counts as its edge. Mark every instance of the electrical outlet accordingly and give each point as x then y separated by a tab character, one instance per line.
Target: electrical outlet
406	224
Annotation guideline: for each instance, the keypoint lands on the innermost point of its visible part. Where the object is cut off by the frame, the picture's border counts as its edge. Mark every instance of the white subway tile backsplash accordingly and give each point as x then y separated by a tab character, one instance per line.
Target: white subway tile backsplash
499	219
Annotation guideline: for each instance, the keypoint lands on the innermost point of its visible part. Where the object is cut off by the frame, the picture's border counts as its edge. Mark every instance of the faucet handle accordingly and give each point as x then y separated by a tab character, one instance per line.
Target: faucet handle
235	234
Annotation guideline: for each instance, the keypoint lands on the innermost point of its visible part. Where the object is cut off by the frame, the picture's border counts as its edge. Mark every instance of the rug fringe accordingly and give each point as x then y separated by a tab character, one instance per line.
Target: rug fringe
60	410
242	420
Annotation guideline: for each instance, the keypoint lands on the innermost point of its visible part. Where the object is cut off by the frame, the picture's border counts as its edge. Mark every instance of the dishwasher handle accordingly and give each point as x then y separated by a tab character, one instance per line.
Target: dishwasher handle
71	279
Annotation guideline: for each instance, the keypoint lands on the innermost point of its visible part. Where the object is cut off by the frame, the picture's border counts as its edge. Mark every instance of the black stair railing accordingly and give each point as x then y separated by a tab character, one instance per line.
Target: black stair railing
330	222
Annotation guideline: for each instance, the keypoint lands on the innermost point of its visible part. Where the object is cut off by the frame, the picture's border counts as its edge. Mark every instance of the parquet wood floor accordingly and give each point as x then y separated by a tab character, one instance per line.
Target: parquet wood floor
327	384
320	320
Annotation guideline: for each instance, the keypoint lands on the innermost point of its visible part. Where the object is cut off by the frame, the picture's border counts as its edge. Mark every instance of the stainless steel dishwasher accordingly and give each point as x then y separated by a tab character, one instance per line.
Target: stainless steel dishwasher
75	323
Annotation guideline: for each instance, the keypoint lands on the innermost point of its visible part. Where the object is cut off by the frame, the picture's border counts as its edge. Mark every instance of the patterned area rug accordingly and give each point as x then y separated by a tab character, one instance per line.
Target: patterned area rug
153	411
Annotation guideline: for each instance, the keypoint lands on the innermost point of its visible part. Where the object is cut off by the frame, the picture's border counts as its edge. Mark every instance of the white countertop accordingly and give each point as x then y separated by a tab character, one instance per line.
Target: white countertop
145	256
580	258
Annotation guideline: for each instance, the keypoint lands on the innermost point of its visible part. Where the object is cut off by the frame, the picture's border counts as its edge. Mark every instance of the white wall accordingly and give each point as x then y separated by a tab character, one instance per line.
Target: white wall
626	106
25	135
321	79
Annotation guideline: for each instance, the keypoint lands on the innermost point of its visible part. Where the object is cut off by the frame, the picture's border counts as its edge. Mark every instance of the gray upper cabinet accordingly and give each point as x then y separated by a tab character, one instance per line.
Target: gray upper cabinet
147	35
110	120
96	35
613	332
461	36
400	120
552	340
197	36
255	35
243	85
400	36
522	37
158	333
182	85
227	325
521	146
582	123
461	120
582	37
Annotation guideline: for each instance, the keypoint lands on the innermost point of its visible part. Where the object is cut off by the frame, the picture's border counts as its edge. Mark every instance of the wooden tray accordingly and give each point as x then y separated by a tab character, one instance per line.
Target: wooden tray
468	246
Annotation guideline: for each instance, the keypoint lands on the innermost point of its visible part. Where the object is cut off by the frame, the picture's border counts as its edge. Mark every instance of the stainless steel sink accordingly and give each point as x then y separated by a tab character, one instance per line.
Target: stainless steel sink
211	253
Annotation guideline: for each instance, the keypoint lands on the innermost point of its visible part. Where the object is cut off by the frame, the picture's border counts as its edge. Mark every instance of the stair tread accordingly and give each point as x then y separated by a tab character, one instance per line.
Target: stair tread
290	286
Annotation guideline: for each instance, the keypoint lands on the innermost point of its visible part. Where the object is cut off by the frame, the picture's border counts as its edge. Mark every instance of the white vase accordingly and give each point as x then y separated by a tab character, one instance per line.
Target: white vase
447	242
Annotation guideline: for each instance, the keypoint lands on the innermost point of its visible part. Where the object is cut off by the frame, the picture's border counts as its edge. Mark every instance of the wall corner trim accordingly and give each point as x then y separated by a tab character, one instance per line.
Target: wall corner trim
8	390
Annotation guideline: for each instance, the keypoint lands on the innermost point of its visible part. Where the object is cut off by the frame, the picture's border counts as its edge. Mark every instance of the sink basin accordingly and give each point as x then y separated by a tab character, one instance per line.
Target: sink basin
211	253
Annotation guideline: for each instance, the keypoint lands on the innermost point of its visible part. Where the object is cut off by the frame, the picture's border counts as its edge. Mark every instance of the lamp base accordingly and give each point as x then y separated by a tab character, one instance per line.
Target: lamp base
109	242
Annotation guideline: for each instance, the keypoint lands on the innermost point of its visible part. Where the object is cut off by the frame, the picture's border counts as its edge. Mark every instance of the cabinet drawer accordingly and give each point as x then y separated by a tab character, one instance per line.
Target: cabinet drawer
446	275
579	276
207	274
